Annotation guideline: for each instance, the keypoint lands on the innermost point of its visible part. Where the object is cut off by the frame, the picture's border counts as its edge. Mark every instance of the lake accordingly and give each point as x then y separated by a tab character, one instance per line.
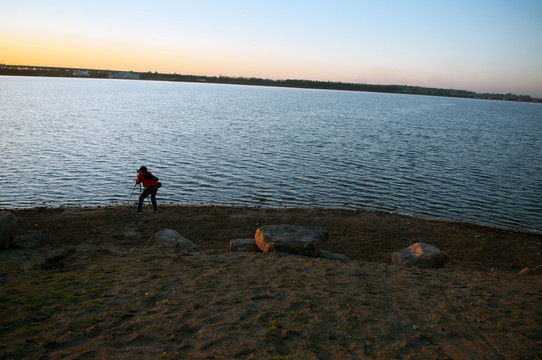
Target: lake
78	142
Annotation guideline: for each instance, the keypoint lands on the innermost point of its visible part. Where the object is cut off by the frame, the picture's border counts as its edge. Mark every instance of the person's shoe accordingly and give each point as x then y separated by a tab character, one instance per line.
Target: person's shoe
156	211
137	212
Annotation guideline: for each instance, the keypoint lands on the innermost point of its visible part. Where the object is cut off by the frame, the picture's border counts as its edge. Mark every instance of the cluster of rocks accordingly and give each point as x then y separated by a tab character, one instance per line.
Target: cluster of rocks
297	240
28	240
291	239
308	240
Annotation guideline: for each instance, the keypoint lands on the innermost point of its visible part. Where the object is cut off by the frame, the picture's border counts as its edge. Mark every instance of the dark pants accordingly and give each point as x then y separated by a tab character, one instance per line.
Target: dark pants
148	191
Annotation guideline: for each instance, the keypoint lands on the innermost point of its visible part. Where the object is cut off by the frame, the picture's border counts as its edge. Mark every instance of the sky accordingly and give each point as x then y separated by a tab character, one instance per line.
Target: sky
477	45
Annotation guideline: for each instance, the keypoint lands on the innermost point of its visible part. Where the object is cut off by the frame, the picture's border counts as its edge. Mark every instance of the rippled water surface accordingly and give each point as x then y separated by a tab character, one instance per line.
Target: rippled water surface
76	142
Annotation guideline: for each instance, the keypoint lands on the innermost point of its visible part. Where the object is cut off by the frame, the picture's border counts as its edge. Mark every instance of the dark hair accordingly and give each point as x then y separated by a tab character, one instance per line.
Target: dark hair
143	169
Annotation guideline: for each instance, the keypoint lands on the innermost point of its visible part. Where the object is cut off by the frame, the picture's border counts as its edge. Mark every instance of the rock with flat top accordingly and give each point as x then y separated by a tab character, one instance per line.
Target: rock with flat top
293	239
243	245
421	255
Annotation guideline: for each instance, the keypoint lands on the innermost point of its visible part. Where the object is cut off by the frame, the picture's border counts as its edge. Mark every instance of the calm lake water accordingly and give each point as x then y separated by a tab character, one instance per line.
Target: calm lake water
78	142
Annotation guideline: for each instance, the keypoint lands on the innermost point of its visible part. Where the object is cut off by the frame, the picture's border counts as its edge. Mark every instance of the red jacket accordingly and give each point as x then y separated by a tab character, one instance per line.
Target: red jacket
147	179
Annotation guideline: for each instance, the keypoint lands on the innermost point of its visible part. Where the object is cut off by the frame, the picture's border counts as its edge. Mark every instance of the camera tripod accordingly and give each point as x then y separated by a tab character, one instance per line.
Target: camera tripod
140	191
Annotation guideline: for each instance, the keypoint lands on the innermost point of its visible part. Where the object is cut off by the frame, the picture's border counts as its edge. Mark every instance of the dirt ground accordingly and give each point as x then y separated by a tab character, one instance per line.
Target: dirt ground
98	289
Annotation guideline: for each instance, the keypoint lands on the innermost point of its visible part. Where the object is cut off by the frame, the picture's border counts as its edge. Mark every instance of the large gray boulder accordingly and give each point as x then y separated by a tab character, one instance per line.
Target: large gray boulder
421	255
168	238
293	239
29	240
8	223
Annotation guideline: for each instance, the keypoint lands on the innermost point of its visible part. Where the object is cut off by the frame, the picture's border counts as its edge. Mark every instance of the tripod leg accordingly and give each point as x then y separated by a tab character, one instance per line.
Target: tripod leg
130	198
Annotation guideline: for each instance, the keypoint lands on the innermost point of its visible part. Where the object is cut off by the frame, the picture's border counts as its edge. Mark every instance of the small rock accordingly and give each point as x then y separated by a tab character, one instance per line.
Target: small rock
168	238
243	245
28	240
535	271
324	254
421	255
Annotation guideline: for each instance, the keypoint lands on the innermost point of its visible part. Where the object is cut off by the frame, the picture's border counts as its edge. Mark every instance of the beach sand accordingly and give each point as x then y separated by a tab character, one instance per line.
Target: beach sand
98	289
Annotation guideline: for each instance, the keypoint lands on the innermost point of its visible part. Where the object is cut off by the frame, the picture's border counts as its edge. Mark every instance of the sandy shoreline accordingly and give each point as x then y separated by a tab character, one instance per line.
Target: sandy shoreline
362	235
98	289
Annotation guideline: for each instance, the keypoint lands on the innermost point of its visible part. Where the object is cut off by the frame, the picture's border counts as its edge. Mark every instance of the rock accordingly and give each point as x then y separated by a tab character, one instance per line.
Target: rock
58	261
293	239
421	255
8	222
534	271
324	254
28	240
243	245
168	238
537	270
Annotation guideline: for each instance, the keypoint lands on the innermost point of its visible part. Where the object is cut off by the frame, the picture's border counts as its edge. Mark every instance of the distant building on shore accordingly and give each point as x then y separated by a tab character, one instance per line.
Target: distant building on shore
125	75
80	73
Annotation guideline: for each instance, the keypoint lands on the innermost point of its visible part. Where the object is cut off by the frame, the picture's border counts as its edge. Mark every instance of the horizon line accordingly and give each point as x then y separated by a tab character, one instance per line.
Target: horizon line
2	65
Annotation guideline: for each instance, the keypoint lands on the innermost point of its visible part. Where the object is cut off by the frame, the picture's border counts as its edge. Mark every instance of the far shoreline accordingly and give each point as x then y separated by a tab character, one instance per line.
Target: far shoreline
48	71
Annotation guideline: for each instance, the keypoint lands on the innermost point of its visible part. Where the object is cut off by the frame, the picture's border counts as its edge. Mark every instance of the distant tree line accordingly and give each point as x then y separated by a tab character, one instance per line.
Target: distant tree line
24	70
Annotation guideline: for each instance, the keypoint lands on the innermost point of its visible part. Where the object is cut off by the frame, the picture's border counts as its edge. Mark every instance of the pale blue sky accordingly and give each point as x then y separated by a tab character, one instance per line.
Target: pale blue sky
484	46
